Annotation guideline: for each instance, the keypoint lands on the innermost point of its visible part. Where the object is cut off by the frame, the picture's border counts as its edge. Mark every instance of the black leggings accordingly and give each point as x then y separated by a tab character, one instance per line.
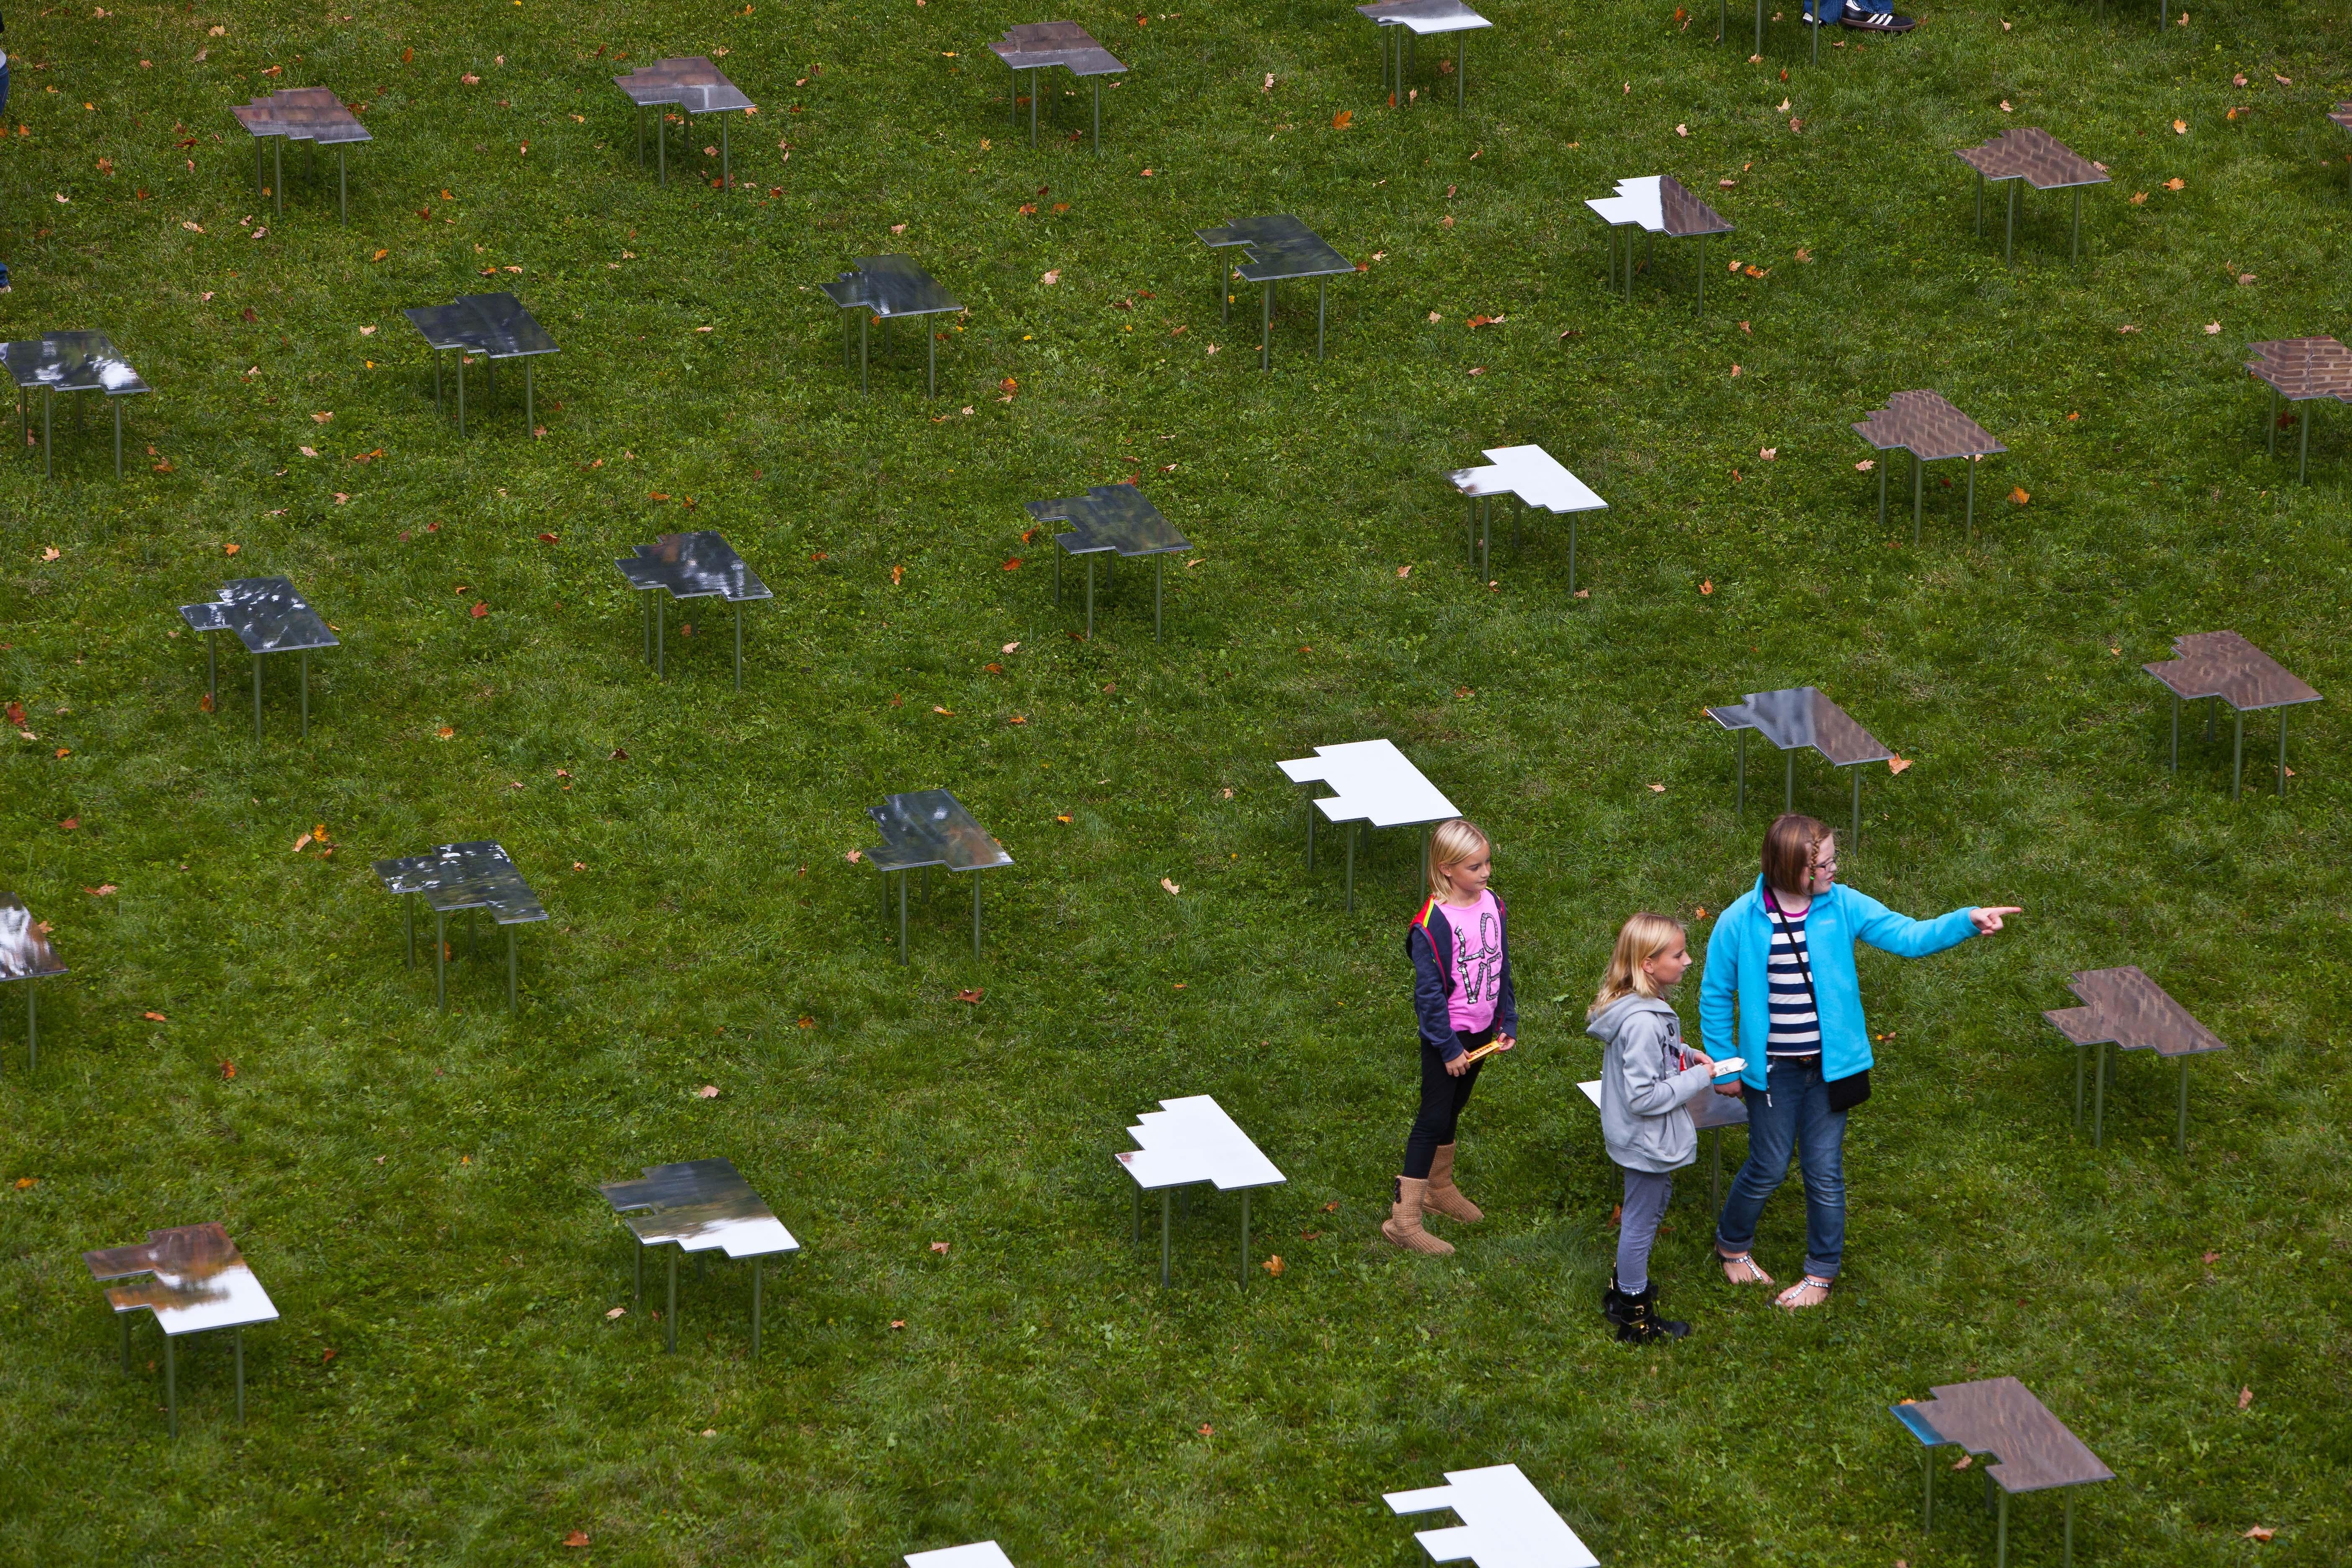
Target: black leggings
1443	1095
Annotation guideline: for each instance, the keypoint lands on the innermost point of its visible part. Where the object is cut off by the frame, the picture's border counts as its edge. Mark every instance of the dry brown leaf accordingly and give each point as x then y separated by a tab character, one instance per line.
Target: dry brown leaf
2246	1398
2176	183
1171	887
578	1537
1707	586
157	1018
1271	1266
2260	1532
1341	121
1899	764
971	996
2017	494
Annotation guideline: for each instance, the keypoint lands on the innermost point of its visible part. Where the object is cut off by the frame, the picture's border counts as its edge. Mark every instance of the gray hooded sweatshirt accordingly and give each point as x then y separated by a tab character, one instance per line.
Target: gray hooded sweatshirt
1644	1086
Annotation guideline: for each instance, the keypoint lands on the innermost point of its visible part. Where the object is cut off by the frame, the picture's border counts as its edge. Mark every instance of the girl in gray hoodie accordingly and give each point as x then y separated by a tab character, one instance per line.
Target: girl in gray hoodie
1648	1079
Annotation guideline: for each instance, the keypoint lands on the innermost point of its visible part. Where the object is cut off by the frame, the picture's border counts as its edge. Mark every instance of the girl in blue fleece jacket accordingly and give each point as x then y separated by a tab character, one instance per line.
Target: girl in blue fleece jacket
1461	953
1782	957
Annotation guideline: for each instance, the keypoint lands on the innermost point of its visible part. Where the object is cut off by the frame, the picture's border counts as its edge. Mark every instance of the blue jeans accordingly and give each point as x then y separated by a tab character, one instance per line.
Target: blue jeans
1791	1115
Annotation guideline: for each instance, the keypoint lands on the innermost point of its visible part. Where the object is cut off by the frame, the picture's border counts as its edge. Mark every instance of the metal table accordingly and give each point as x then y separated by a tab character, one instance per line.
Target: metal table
311	114
1710	1113
696	1206
1043	45
2031	156
882	289
201	1283
462	876
267	616
2000	1416
2301	370
2342	115
1530	477
1190	1141
68	361
2125	1008
2224	668
1111	517
926	828
1278	248
495	326
1799	717
1411	21
694	85
1505	1521
1657	204
1376	786
25	954
1930	429
978	1554
691	566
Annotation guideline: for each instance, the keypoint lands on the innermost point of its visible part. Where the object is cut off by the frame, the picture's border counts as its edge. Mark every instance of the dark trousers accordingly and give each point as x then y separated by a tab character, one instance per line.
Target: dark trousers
1443	1095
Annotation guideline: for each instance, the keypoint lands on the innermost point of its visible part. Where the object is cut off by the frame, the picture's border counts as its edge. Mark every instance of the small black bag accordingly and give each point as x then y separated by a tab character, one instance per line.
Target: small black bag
1847	1093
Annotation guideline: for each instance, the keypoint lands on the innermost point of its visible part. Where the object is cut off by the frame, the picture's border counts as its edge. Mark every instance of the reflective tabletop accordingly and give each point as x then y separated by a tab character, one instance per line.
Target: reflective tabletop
1425	16
2033	155
267	615
1659	203
2225	665
889	285
2032	1449
930	827
25	949
302	114
1926	425
1041	45
693	566
476	876
71	361
1802	716
2128	1008
1279	248
201	1281
690	81
699	1205
2304	368
1531	474
1110	517
495	325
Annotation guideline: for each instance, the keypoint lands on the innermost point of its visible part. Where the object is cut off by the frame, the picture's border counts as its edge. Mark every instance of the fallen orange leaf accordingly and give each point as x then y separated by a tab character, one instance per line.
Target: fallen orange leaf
972	995
1898	764
2246	1398
1171	887
157	1018
1341	121
2017	495
228	1069
1273	1265
897	574
481	610
2260	1532
1707	586
940	1246
2176	183
577	1538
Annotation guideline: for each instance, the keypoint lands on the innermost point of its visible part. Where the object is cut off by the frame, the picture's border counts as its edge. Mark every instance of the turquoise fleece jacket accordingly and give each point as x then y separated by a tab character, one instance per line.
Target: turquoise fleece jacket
1742	941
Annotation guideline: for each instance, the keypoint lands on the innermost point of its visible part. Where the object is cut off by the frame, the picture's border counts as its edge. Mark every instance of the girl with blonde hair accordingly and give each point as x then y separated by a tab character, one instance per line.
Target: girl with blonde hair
1460	948
1648	1079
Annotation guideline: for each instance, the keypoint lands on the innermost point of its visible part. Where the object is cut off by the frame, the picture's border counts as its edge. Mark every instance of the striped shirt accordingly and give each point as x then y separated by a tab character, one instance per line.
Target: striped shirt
1795	1030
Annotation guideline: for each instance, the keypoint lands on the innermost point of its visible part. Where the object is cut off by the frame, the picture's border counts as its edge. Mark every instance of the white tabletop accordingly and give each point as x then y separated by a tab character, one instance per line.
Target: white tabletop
1506	1522
1425	17
979	1554
1375	784
186	1304
1636	201
1192	1140
1531	474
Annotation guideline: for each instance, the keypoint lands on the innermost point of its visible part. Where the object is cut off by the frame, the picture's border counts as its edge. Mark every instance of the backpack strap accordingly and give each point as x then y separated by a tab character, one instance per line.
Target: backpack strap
1445	959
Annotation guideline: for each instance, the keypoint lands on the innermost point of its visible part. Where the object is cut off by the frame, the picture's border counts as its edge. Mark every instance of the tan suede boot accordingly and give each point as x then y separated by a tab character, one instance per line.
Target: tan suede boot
1443	1196
1403	1227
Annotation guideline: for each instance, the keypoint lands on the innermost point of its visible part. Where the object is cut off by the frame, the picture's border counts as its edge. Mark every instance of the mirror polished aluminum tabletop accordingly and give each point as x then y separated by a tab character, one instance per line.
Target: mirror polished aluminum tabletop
476	876
1110	517
25	949
2033	155
2225	665
302	114
2128	1008
699	1204
1531	474
889	285
1659	203
494	325
691	82
930	827
1506	1522
71	361
2000	1416
267	615
1709	1111
979	1554
1374	783
1924	425
1280	248
1192	1140
1043	45
1802	716
2301	369
200	1280
1425	16
693	566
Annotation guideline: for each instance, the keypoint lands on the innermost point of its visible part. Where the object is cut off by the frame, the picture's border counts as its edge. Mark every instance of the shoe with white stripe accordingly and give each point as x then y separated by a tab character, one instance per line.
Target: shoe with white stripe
1877	22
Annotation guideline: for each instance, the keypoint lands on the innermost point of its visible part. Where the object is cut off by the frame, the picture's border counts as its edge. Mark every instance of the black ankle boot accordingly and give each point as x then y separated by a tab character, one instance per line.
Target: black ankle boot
1642	1323
1615	1304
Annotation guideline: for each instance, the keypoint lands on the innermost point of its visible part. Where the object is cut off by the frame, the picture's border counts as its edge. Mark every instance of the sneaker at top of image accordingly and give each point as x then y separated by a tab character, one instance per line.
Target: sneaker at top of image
1877	21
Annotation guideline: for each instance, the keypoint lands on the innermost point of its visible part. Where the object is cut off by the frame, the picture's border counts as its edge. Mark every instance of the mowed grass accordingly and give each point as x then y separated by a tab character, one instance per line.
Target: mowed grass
417	1191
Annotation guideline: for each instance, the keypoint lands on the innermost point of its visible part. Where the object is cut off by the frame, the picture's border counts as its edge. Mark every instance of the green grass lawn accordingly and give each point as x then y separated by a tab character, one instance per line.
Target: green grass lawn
417	1191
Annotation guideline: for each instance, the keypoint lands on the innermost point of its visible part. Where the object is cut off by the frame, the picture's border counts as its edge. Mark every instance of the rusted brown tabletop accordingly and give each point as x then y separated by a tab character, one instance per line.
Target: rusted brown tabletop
1928	428
2301	370
2125	1008
2000	1416
1792	719
2224	668
2030	155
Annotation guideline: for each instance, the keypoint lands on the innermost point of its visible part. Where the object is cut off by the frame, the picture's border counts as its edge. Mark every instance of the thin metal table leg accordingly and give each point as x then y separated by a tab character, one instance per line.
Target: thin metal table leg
2238	754
49	400
726	168
1319	292
757	1270
257	697
240	1375
306	693
1571	557
1857	807
212	666
2175	765
1349	829
1789	781
637	1284
2270	423
1032	108
2303	463
510	969
1927	1498
1972	500
440	960
1739	779
864	321
124	1318
1159	592
739	645
2078	1085
1244	1235
118	436
2181	1140
975	915
461	395
1163	1238
280	191
933	343
661	637
1090	598
1759	27
2009	239
2281	767
1310	833
1097	85
1700	310
1486	534
1881	495
2001	1558
2077	244
1918	495
529	414
409	906
1266	330
902	918
669	1319
342	188
258	177
661	143
2099	1095
171	1384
